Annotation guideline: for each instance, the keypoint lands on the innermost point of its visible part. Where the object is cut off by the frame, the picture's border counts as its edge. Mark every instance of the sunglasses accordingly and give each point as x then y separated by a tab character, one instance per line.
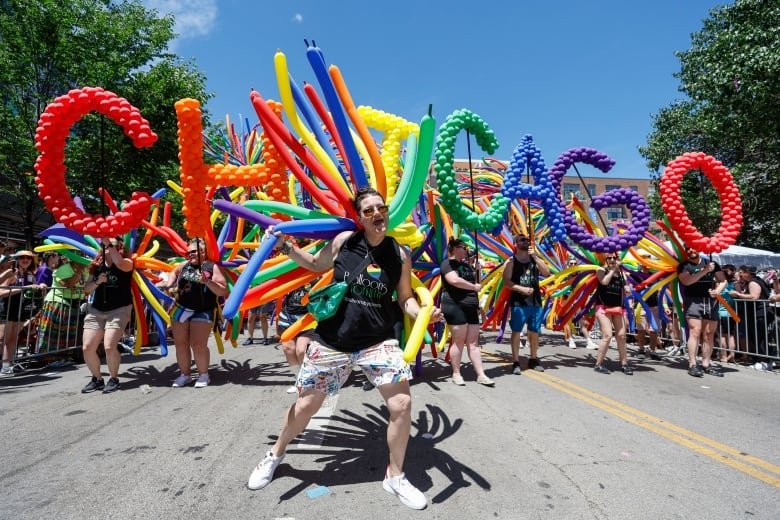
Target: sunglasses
25	257
610	258
193	252
369	212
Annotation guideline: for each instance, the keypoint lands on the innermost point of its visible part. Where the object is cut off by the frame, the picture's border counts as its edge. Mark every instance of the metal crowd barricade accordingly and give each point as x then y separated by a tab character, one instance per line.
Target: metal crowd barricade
36	322
756	335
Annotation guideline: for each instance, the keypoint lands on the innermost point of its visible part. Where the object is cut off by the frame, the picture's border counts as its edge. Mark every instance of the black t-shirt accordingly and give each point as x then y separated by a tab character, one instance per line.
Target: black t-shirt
611	295
456	294
700	288
293	305
115	293
525	274
191	293
366	315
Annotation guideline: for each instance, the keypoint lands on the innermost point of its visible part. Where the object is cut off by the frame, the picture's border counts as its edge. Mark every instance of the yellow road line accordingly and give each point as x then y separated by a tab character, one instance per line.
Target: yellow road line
673	427
717	451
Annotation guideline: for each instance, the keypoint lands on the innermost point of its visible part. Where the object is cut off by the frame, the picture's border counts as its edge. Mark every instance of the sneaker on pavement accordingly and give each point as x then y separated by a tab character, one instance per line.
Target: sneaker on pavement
516	368
572	344
7	371
248	341
409	495
485	380
627	370
203	381
111	386
93	385
640	354
292	390
182	380
266	341
264	472
535	364
695	371
601	369
592	345
458	380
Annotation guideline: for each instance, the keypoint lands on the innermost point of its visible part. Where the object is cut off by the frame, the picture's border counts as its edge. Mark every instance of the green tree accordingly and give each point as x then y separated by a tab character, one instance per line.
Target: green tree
48	47
731	77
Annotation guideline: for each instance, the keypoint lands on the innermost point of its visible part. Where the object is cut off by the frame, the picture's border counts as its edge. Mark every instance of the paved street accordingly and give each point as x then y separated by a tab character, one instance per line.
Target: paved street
566	443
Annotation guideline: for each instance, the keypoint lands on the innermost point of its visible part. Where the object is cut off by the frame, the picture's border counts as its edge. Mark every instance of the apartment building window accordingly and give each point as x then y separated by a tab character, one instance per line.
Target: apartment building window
616	213
609	187
570	189
634	188
592	190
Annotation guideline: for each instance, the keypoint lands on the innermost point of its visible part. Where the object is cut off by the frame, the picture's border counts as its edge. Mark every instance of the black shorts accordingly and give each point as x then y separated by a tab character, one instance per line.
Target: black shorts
701	308
457	314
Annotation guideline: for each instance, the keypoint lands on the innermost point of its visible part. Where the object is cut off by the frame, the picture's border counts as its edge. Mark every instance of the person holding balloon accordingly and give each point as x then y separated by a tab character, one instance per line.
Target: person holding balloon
198	284
702	281
361	332
611	314
108	312
460	306
521	277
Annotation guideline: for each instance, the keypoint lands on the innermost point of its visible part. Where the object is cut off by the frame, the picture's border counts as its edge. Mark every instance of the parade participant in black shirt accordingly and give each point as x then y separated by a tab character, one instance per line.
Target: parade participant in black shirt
360	333
610	313
108	312
701	281
460	306
521	277
197	283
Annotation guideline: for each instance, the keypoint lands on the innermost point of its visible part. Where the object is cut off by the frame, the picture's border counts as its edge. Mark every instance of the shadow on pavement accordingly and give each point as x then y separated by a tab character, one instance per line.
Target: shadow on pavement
353	450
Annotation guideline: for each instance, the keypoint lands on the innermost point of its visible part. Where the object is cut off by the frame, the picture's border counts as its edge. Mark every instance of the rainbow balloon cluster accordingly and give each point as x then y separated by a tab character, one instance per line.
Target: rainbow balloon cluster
299	175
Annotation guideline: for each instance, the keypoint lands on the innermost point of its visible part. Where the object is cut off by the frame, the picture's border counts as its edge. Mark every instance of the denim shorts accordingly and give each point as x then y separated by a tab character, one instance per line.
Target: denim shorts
183	315
326	370
522	315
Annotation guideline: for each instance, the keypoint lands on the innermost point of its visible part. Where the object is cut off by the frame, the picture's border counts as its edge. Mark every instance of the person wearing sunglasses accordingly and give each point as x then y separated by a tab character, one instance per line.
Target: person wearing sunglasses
460	306
610	313
360	333
521	277
198	284
108	312
22	297
702	280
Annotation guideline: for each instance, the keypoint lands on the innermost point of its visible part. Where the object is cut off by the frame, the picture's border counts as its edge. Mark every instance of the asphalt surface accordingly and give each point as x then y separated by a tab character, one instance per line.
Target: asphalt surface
566	443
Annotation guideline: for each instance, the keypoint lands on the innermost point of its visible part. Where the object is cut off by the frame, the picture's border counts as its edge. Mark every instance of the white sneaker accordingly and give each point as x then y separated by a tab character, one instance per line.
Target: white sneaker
591	345
409	495
292	390
203	381
182	380
264	472
572	344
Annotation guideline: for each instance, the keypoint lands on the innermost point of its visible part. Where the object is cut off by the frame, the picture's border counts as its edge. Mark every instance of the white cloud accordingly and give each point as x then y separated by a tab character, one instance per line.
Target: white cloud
193	17
297	18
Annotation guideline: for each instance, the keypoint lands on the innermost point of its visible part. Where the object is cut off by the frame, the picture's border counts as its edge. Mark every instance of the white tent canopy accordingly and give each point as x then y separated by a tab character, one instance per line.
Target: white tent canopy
739	255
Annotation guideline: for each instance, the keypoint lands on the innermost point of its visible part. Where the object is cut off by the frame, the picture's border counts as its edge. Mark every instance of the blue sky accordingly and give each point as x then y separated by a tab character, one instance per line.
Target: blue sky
571	73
